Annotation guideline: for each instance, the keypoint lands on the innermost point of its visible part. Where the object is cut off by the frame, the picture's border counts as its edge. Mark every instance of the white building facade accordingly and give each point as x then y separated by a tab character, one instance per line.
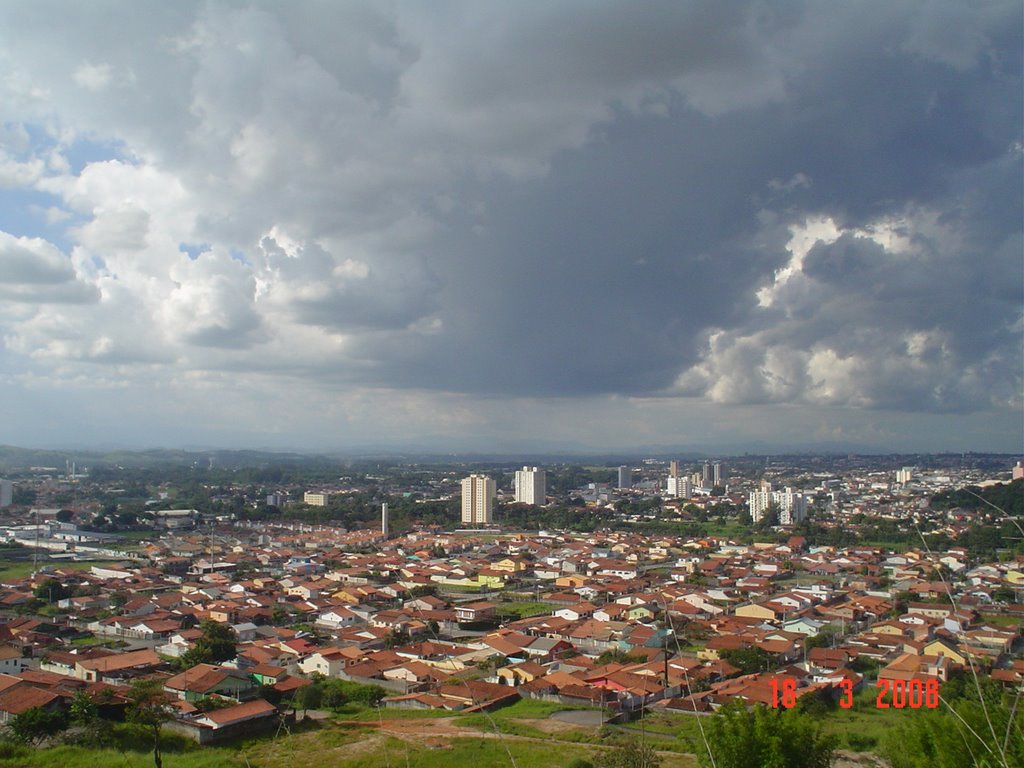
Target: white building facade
531	486
679	488
792	504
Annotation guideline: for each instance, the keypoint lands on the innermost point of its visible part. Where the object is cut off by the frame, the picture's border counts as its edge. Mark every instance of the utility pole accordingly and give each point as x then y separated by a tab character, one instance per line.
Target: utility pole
664	646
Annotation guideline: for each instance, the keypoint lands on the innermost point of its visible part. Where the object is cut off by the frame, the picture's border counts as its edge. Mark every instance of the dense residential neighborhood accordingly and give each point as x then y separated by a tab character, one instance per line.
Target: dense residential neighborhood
235	617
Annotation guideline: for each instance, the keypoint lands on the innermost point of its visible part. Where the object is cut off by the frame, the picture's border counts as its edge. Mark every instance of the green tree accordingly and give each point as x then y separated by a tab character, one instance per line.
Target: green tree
339	692
148	707
211	703
396	638
24	497
748	660
217	644
51	590
82	710
964	732
308	697
35	724
279	615
88	728
770	518
765	737
823	639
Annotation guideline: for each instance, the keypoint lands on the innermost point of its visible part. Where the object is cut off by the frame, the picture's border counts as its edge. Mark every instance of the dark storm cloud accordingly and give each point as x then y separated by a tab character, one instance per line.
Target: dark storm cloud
609	273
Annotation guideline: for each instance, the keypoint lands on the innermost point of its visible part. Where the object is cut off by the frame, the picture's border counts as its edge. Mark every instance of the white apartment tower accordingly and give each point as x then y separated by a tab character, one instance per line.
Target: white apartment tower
531	486
477	500
760	500
625	477
679	488
792	504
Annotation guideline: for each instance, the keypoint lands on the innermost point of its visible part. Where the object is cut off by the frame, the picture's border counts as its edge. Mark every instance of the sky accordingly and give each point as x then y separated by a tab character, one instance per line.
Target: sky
510	226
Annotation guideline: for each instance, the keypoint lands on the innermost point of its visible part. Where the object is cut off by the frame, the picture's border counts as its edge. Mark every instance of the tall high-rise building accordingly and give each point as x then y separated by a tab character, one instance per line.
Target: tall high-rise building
531	486
477	500
673	468
6	493
792	504
760	500
707	479
384	519
679	487
625	477
718	474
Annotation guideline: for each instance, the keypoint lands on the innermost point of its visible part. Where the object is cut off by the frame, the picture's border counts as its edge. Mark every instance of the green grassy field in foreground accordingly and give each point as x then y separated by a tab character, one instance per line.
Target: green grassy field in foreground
331	745
859	729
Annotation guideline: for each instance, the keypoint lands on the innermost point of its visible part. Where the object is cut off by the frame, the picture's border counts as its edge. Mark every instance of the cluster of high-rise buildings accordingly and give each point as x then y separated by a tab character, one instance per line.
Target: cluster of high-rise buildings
530	486
683	485
792	505
478	492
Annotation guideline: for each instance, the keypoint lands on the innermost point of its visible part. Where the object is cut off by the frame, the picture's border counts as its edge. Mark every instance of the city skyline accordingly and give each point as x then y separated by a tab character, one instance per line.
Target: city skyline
522	229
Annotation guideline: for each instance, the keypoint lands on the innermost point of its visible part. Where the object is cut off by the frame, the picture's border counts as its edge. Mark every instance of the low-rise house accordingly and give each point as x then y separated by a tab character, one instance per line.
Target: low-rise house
328	662
909	666
517	674
337	617
250	713
11	659
416	673
204	680
478	611
117	667
17	699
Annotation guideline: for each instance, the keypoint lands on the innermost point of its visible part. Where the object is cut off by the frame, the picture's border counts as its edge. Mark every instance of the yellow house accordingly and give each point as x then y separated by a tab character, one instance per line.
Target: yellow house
939	648
509	565
640	612
350	596
888	629
493	580
572	582
756	611
520	673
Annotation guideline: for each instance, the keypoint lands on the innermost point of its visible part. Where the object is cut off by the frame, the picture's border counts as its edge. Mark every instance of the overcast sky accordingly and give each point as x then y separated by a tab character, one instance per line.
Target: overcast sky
490	225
